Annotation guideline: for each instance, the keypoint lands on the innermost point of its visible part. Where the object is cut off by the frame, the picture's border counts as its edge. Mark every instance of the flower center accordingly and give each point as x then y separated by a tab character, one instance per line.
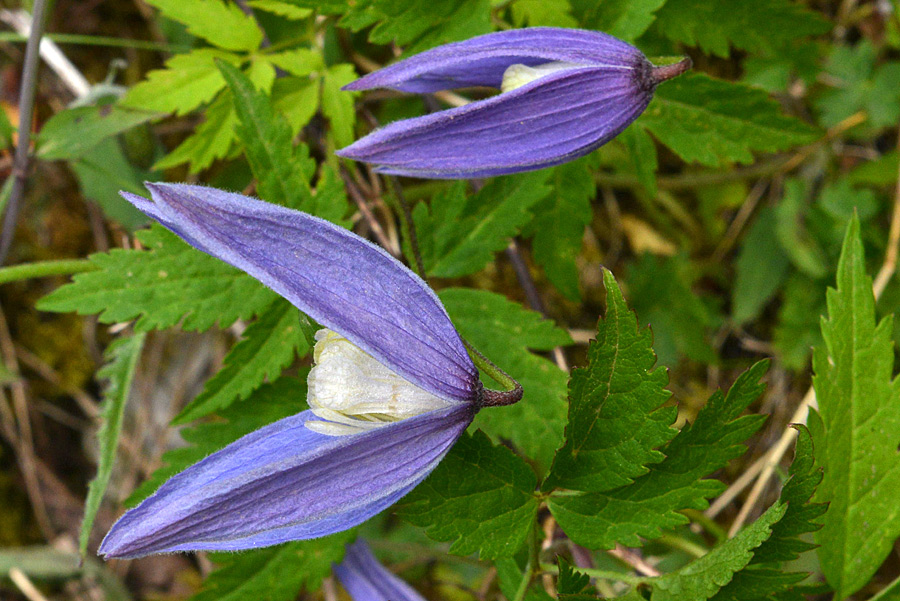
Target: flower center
353	392
517	75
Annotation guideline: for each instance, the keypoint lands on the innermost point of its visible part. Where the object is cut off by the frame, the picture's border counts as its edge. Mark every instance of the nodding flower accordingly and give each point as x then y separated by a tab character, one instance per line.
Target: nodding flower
564	93
392	389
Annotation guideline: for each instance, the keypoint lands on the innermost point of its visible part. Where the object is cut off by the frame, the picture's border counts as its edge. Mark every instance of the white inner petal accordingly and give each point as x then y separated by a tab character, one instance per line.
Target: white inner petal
517	75
353	392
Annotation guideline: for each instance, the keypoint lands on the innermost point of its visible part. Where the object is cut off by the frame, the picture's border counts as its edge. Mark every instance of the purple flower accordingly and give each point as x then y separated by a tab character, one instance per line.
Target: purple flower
392	389
367	580
565	92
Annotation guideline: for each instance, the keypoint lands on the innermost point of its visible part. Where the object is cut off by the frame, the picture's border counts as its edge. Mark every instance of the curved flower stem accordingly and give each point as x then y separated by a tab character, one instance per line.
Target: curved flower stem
27	271
512	392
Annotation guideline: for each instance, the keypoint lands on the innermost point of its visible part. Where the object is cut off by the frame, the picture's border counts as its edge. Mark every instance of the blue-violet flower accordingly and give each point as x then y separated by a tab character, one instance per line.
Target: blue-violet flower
392	389
564	93
367	580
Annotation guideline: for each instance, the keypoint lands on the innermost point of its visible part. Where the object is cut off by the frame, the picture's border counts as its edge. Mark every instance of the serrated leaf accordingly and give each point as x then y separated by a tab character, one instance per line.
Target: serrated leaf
760	269
283	9
481	497
214	137
267	346
713	122
277	573
572	585
504	332
281	172
559	222
329	200
188	81
702	578
509	577
859	405
297	99
652	502
615	422
284	397
220	23
624	19
419	24
337	104
71	133
460	233
121	360
160	287
715	25
300	61
210	141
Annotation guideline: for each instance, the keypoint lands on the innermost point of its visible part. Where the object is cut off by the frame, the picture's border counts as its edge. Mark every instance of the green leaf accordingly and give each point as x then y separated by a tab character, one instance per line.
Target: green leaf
481	497
121	360
542	13
287	10
419	24
461	233
161	287
337	104
267	346
270	402
572	585
702	578
71	133
714	122
624	19
7	131
653	502
188	81
102	173
301	62
281	172
210	141
220	23
797	329
760	269
504	332
857	84
277	573
764	578
214	137
642	152
559	222
880	172
714	25
859	405
509	576
615	422
661	289
790	228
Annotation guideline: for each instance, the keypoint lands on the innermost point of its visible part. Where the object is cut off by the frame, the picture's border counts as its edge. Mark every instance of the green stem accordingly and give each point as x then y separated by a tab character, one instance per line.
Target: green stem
533	563
97	40
602	574
407	227
888	592
682	544
512	392
27	271
707	523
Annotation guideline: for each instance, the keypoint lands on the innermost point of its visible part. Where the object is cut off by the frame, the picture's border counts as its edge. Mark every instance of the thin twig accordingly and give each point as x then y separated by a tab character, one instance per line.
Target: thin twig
369	218
890	258
531	293
26	112
739	221
24	584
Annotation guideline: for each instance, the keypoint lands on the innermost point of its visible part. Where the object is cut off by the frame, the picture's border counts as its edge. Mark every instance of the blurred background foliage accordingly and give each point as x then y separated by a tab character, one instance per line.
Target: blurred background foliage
721	211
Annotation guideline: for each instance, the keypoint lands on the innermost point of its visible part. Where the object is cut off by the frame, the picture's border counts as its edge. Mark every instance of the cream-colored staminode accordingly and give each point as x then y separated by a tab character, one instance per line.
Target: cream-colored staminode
518	75
355	392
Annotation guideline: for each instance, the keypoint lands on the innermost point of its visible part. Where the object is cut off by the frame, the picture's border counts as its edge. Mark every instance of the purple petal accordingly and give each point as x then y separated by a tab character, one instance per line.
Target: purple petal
285	482
367	580
482	60
548	121
340	280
